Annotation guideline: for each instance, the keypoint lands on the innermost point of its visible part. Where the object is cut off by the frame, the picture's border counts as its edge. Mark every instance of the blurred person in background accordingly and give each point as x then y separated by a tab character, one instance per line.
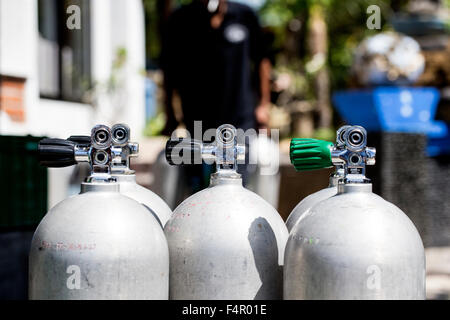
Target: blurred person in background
215	57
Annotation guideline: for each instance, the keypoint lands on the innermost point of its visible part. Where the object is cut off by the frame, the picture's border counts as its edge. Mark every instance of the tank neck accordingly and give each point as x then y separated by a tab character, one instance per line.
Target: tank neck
124	177
354	187
99	187
121	170
334	180
336	176
221	178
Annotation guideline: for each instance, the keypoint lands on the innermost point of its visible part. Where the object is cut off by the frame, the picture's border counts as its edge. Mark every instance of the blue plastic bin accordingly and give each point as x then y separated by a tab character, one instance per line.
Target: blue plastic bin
396	109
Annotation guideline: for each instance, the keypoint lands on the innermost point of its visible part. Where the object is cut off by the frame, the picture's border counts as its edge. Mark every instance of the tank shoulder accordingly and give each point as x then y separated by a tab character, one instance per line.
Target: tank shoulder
149	199
101	211
358	219
227	196
303	206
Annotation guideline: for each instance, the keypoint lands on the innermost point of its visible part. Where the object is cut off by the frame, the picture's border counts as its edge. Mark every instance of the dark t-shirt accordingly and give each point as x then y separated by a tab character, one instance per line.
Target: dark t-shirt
214	70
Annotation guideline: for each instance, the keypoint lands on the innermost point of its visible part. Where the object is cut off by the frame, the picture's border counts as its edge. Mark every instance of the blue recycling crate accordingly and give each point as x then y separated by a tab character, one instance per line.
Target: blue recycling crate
396	109
439	145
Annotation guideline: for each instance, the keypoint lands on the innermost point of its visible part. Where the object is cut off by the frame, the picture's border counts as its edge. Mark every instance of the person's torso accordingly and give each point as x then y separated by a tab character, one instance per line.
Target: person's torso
215	67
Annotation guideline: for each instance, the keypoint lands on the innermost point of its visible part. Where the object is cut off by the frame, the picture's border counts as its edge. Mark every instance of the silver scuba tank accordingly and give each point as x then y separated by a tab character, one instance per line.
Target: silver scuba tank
127	178
304	149
98	244
120	170
354	245
225	242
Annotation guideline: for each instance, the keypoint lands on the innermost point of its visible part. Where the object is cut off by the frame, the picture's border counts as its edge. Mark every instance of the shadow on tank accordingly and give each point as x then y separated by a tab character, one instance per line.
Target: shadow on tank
265	253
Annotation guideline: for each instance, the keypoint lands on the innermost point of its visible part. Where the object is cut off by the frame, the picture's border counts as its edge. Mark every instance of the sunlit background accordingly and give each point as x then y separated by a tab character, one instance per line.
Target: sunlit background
329	67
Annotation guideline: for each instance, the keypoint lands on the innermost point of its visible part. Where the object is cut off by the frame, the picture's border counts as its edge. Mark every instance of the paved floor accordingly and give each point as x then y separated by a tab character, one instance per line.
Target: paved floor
438	272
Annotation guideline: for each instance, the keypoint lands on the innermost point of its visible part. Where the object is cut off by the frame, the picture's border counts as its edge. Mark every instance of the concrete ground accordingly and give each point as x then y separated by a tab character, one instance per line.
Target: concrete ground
438	272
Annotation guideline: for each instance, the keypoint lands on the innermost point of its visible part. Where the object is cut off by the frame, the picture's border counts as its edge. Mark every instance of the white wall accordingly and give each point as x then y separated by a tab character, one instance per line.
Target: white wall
19	57
18	47
18	31
114	24
120	24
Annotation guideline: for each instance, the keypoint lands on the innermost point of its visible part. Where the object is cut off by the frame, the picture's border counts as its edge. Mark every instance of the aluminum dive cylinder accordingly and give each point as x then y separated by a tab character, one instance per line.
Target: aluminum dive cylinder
354	245
98	244
120	170
301	151
127	178
225	242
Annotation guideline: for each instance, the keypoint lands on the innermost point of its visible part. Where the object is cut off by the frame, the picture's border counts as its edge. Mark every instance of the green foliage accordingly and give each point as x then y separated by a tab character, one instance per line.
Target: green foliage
347	28
299	87
153	43
117	66
155	125
346	21
327	134
446	4
276	14
113	85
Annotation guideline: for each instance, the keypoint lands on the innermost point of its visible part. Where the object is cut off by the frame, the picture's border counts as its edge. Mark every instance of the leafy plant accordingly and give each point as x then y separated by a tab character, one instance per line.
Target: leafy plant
155	125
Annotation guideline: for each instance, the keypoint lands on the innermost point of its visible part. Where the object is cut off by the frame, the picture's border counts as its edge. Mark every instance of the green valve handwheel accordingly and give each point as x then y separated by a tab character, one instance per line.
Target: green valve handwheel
310	154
